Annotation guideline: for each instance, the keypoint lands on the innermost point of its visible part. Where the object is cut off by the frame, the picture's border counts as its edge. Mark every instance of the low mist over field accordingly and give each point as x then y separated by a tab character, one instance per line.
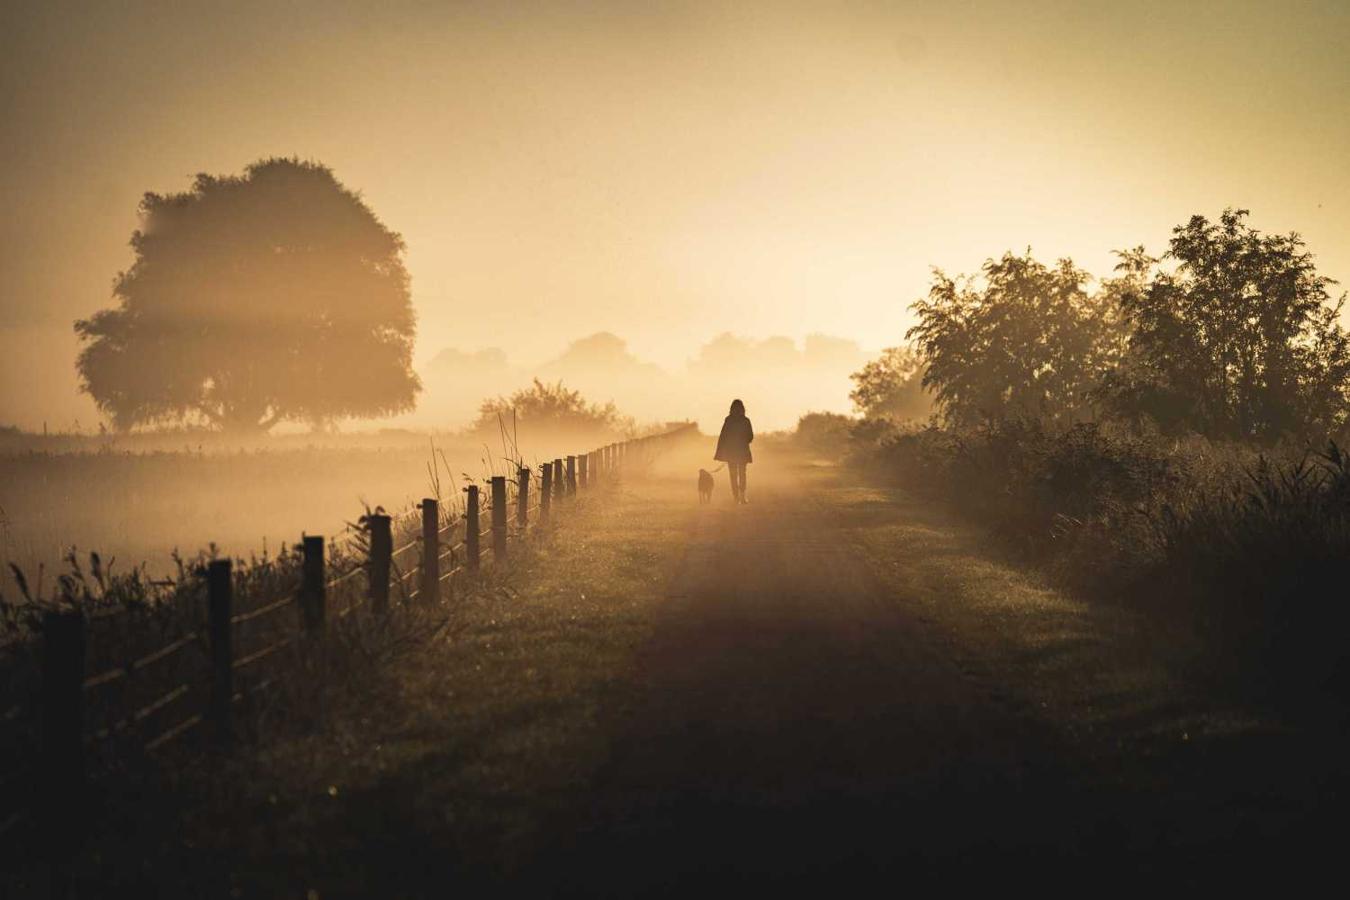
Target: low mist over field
138	500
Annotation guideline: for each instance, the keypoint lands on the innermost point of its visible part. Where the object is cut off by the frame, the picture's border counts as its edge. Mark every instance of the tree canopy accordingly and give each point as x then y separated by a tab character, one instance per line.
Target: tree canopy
1231	334
1024	339
268	296
1240	340
891	386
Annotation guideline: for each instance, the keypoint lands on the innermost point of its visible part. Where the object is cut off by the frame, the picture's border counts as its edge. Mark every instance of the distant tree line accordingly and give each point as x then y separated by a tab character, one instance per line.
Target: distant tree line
1232	334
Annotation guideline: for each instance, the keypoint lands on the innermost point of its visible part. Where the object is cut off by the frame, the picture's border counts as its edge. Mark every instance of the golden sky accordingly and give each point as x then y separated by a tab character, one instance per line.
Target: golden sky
665	171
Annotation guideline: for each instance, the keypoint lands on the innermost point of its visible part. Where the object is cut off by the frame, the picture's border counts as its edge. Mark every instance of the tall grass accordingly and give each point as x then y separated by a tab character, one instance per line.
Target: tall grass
134	611
1243	550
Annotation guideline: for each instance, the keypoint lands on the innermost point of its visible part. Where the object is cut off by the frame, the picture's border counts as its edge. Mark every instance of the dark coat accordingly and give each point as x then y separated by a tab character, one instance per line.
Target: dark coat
733	444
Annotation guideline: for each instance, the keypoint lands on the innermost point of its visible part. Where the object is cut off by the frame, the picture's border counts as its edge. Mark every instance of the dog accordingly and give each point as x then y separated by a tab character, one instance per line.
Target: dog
705	484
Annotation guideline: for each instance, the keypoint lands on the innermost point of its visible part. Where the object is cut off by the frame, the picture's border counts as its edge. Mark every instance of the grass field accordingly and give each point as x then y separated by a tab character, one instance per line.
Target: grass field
474	733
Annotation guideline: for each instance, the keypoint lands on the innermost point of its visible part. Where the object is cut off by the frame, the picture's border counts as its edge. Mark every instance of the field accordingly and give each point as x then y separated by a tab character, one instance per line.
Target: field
137	501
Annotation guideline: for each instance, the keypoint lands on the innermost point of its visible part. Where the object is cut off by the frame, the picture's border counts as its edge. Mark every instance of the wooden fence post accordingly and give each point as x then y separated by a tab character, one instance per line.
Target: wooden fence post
583	471
559	484
61	791
380	562
312	592
523	498
220	617
431	550
571	475
498	518
471	552
545	490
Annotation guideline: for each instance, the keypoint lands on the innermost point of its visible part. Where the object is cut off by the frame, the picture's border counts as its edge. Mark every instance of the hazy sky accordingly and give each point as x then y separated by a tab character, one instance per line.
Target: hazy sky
665	171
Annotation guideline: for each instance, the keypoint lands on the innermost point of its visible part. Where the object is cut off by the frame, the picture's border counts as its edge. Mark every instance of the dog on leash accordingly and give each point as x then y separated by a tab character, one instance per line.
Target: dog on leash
705	484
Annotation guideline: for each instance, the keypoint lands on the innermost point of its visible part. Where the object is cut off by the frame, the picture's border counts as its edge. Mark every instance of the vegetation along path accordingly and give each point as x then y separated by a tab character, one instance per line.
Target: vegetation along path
831	684
842	685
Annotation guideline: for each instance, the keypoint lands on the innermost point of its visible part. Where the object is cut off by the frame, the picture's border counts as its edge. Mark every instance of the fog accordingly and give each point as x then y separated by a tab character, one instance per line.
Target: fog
141	499
777	378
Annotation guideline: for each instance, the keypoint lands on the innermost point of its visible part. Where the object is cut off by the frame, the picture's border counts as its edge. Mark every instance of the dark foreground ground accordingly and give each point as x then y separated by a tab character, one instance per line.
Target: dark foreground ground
828	689
816	715
799	727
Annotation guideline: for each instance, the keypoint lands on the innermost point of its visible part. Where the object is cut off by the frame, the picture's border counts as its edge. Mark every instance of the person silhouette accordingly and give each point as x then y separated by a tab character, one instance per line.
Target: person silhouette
733	448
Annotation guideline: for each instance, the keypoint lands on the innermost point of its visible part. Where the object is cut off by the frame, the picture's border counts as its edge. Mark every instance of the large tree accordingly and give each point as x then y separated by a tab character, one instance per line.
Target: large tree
268	296
1239	338
1024	339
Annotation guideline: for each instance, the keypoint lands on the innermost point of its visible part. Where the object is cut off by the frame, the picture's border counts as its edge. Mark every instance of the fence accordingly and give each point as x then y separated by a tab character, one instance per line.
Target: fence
145	697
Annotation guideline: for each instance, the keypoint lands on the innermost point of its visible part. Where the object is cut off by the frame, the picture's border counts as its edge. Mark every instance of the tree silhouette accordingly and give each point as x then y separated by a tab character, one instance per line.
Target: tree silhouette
273	295
1241	340
1027	340
551	407
891	386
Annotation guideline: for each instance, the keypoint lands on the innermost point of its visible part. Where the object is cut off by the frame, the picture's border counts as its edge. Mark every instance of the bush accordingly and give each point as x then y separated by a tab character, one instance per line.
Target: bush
824	433
551	408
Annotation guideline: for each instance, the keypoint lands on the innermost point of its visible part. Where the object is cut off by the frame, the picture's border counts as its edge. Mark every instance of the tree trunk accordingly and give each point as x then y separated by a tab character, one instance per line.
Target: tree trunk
246	419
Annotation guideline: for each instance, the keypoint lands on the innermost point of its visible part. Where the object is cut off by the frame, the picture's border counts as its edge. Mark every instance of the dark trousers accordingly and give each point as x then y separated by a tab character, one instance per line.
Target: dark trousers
736	471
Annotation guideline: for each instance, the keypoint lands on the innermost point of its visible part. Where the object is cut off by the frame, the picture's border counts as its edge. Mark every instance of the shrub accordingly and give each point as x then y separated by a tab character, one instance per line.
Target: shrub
553	408
824	433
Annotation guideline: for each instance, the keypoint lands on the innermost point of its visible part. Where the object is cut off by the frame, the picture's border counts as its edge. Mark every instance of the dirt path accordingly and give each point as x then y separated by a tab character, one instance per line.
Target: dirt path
798	725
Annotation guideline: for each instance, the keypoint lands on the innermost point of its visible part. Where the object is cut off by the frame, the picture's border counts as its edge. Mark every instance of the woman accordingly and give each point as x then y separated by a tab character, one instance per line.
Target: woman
733	448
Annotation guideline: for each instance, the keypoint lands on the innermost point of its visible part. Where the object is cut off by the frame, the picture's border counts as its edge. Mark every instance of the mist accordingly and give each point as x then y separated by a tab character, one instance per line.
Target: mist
777	377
